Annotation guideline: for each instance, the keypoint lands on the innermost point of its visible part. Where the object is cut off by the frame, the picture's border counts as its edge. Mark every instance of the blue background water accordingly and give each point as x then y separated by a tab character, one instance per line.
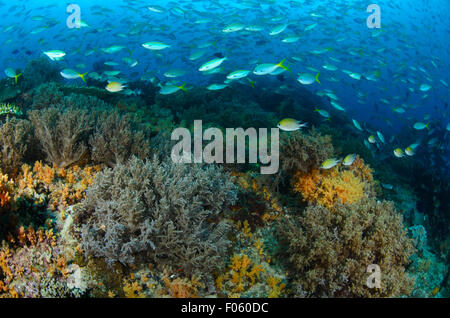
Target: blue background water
414	34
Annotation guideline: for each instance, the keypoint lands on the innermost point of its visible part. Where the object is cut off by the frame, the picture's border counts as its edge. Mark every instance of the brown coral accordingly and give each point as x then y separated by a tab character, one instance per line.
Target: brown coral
166	213
303	152
16	136
115	140
63	133
328	252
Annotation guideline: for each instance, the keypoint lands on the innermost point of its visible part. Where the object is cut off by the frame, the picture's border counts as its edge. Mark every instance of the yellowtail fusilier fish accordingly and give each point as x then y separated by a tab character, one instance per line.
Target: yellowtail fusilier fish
267	68
12	74
155	46
212	64
68	73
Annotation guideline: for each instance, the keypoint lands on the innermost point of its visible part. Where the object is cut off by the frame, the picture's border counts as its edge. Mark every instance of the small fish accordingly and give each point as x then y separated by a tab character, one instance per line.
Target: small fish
212	64
216	87
323	113
398	152
12	74
114	87
349	159
289	124
267	68
420	126
170	89
409	151
329	163
237	74
113	49
234	27
357	125
68	73
425	87
372	139
307	78
381	137
278	29
55	55
155	46
387	186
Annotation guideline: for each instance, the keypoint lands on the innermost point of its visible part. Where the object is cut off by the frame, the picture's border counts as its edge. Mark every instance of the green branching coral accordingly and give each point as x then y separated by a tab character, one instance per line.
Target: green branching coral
162	213
328	252
10	109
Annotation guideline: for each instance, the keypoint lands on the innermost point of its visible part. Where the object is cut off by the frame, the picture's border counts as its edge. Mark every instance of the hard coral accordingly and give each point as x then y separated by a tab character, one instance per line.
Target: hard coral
328	252
164	213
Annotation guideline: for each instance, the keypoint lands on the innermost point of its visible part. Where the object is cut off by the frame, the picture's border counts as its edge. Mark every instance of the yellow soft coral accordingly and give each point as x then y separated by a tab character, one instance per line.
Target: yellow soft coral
6	187
346	185
242	274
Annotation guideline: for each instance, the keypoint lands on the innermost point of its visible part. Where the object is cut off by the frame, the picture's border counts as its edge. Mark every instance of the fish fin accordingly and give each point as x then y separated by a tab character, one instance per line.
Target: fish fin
283	66
82	76
317	78
182	87
16	77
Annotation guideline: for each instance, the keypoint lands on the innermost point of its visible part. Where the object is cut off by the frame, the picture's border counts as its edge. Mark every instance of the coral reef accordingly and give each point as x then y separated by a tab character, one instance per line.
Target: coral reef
10	109
328	251
161	212
339	184
16	136
115	140
63	133
303	152
34	267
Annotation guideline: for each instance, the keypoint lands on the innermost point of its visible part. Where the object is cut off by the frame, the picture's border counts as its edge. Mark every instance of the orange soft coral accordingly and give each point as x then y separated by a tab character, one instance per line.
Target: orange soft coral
346	185
6	187
66	186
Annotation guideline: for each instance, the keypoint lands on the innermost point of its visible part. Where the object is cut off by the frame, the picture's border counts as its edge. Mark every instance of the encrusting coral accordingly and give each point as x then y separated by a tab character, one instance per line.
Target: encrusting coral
165	213
328	252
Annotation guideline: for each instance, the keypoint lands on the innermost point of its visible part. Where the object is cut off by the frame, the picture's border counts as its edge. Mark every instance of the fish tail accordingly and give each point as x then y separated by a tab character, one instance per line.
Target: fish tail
82	76
16	77
283	66
317	78
182	87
